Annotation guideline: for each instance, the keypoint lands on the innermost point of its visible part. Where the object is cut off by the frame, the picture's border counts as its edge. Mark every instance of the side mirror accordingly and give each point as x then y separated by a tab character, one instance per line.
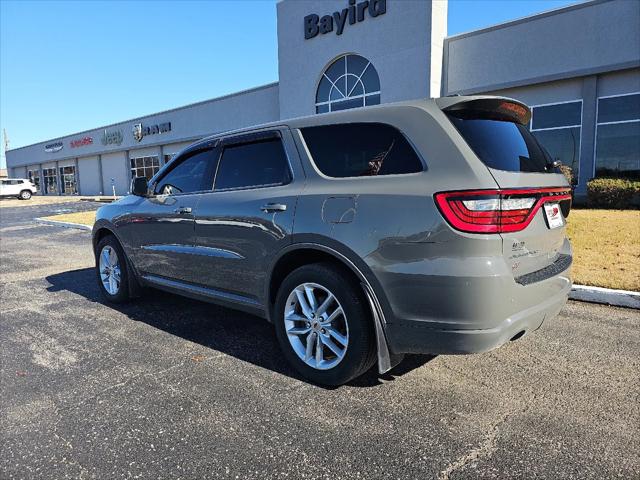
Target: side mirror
140	186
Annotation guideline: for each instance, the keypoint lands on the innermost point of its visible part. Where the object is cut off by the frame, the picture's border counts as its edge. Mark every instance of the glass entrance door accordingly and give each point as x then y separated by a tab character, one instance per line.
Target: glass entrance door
50	181
34	177
68	184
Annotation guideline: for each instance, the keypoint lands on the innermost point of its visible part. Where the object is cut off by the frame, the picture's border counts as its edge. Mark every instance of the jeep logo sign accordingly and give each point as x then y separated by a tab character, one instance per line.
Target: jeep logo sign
314	24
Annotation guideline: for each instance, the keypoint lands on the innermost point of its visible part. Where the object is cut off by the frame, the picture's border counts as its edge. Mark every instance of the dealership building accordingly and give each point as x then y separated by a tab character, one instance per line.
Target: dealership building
578	68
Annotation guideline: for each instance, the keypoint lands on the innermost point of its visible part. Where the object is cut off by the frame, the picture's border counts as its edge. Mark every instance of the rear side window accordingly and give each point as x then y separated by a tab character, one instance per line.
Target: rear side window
190	175
258	164
504	145
360	150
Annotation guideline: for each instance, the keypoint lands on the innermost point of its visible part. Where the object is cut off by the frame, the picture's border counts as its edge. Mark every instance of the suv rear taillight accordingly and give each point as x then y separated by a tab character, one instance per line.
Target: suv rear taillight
495	211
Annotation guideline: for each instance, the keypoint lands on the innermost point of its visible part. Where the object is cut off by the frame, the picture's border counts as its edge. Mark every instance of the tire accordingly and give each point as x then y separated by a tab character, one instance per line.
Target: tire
25	195
109	246
353	326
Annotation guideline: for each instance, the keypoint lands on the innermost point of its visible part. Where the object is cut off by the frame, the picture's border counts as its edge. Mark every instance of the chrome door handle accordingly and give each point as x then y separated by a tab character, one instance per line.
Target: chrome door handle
183	210
273	207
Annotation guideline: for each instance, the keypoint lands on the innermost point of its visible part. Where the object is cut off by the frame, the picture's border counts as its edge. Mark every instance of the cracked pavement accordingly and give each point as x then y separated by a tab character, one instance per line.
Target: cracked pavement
168	387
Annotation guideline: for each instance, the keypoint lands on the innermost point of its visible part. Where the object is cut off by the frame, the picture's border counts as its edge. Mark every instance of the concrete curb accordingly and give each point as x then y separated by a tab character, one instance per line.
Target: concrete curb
100	199
607	296
57	223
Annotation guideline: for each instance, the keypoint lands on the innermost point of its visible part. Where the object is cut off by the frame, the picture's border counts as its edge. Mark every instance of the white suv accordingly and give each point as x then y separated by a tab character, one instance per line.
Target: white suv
17	187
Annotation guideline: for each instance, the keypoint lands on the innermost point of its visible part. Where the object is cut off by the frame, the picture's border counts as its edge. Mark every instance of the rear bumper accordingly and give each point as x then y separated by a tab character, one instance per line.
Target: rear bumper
415	336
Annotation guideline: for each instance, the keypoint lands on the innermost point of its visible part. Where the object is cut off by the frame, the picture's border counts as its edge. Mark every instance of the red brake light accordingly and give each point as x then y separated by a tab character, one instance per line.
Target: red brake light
495	211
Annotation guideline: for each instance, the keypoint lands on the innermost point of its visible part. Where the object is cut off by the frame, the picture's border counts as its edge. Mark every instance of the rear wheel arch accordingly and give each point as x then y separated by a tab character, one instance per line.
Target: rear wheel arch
298	255
308	251
296	258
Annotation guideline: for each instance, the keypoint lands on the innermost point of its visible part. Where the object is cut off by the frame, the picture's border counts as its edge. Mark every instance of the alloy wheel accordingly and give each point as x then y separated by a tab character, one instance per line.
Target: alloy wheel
110	270
316	326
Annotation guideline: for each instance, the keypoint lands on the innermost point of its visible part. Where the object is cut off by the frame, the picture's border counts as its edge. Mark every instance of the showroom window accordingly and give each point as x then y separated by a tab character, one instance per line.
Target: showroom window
145	166
558	128
618	136
34	177
68	184
350	81
50	181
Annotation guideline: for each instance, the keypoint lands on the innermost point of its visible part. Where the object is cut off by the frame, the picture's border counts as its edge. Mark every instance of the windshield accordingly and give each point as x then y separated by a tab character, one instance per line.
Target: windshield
504	145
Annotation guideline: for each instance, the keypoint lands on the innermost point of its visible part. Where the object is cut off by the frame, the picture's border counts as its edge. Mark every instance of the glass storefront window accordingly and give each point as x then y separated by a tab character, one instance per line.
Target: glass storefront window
145	166
558	129
34	177
68	183
618	136
50	181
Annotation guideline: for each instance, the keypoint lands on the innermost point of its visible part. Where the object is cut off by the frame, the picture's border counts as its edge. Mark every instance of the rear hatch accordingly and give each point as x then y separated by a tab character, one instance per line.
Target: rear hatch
530	206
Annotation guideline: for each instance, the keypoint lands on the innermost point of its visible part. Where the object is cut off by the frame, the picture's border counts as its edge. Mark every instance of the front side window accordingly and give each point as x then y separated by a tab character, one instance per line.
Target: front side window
350	81
618	136
360	150
193	174
257	164
144	166
558	128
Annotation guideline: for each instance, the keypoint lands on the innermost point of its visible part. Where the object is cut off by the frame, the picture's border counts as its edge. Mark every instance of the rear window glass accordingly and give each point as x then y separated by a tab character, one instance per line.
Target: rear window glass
504	145
360	150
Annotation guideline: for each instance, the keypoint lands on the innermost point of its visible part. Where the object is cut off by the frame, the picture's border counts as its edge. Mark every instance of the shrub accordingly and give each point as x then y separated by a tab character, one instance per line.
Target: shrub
568	173
617	193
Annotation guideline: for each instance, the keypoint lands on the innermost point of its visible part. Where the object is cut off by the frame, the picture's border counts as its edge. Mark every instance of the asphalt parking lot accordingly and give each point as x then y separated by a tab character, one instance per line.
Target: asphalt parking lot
172	388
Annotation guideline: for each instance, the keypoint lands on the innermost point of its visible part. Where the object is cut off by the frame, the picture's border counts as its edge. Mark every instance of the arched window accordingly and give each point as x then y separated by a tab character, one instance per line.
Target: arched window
349	82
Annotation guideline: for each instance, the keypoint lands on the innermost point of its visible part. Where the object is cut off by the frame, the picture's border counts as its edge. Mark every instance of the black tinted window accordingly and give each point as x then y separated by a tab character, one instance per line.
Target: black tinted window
559	115
360	149
619	109
188	176
504	145
258	164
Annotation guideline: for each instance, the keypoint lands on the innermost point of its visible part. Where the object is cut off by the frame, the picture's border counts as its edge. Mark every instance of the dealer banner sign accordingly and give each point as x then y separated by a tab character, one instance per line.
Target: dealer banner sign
53	147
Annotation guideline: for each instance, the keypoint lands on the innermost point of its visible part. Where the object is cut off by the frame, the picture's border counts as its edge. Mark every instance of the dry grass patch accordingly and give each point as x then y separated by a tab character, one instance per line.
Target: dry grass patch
606	246
84	218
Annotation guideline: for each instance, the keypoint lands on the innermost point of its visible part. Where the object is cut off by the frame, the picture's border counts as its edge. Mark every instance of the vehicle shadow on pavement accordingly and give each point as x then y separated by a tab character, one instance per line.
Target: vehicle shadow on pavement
234	333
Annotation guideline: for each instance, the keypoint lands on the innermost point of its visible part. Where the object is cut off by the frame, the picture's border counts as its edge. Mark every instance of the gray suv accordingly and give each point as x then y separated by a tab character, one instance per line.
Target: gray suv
433	226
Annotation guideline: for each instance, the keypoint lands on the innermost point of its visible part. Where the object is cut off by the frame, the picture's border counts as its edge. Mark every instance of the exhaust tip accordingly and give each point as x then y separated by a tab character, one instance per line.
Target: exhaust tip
518	335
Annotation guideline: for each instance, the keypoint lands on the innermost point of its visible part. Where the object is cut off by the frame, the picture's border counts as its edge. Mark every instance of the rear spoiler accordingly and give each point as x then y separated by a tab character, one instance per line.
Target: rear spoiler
491	108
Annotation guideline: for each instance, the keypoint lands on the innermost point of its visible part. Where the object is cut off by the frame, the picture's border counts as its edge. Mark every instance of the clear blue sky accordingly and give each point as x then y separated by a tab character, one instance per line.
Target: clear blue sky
70	66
